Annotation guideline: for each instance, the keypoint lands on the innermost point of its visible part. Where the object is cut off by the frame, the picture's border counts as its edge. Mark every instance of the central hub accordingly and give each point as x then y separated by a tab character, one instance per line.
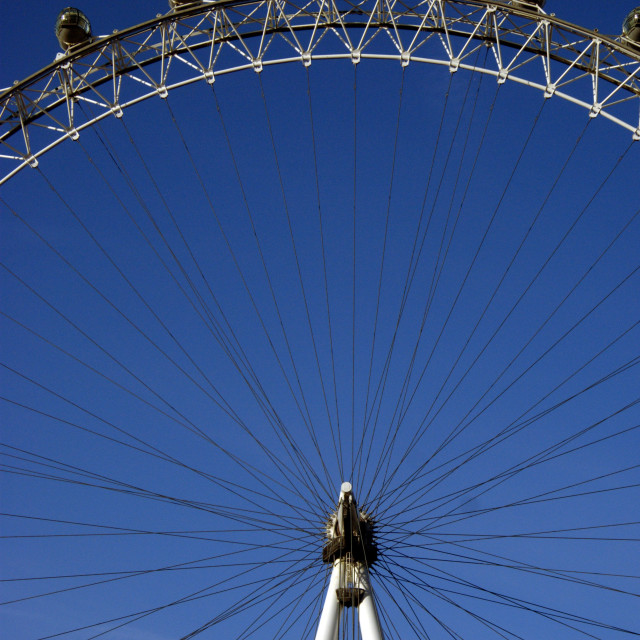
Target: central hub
350	532
350	550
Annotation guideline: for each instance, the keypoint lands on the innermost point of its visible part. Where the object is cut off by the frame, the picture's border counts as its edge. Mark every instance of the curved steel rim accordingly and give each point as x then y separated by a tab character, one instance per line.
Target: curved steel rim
527	46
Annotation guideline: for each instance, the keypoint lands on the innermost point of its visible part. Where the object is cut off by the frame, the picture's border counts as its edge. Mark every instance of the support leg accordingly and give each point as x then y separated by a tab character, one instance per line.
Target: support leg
330	617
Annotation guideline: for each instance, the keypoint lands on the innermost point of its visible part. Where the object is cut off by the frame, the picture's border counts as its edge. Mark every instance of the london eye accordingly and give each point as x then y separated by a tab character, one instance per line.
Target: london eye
321	320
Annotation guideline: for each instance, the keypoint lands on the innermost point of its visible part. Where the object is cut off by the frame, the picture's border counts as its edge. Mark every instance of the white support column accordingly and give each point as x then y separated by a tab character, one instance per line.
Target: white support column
330	617
349	571
367	613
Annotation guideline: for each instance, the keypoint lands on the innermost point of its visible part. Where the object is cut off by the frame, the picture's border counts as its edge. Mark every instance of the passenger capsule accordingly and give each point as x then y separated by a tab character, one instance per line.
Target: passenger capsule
177	4
72	28
631	26
529	3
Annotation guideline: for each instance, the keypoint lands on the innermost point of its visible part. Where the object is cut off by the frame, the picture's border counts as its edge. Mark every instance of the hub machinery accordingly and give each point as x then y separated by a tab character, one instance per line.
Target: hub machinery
351	550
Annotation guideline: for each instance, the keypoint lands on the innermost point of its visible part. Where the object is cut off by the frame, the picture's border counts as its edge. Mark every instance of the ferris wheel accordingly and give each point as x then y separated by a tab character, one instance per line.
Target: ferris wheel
321	320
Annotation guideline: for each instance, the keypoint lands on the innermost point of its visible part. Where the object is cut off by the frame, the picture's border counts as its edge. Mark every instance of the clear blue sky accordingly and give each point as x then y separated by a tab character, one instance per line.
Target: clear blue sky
184	388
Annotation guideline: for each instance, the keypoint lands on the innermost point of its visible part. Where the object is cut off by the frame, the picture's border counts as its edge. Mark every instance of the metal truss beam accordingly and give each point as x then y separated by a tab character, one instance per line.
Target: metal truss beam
209	39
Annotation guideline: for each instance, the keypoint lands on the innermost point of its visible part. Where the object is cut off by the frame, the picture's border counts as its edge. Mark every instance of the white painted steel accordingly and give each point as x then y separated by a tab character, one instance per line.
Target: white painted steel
343	572
330	616
599	73
370	627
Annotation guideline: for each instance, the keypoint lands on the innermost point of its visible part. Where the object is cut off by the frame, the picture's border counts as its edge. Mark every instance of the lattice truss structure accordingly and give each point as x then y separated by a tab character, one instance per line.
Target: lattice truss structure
208	39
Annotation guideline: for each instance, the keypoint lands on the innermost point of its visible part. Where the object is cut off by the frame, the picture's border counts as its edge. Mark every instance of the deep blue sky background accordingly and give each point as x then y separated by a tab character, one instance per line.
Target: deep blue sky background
258	517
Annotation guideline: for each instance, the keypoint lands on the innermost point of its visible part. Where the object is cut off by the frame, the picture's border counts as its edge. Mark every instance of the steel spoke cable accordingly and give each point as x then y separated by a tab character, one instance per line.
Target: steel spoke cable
546	496
335	437
102	295
540	535
545	457
297	532
450	557
433	591
289	539
118	487
251	469
415	244
283	630
387	447
151	449
235	609
216	330
140	572
216	397
390	630
185	422
217	510
124	575
413	621
388	453
515	469
309	421
510	431
392	174
446	596
270	412
412	273
556	574
584	317
548	319
107	300
217	334
553	253
551	613
133	617
503	561
401	582
464	515
288	534
408	597
519	423
500	282
354	265
291	604
524	568
238	514
232	352
284	430
256	597
118	163
113	484
326	282
425	586
417	436
489	595
388	618
93	370
235	488
409	278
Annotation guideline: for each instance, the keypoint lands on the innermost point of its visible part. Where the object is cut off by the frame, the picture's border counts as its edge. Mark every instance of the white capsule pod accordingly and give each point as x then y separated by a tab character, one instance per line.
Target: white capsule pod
631	26
72	28
529	3
178	4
